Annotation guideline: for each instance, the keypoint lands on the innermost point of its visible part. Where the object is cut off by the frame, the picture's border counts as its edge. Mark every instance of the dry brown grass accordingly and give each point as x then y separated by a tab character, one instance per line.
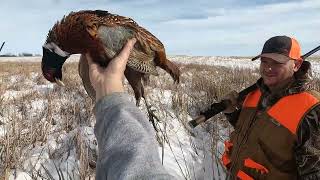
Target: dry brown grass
26	129
200	86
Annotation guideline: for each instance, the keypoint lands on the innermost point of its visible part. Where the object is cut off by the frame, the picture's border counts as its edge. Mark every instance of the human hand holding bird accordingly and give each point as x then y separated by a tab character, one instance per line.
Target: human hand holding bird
108	80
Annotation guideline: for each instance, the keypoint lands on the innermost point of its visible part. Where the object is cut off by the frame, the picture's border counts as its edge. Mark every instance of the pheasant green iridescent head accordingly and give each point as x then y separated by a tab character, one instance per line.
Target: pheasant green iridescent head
53	59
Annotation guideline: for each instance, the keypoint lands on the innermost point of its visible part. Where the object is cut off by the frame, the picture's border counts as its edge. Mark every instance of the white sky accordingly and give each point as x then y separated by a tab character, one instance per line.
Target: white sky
201	27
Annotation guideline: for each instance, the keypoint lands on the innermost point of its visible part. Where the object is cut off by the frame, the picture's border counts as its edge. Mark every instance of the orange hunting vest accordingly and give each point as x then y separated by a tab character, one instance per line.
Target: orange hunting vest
262	144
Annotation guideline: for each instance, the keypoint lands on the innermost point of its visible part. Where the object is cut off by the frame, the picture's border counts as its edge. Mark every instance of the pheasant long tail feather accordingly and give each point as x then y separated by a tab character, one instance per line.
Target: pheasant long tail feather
168	66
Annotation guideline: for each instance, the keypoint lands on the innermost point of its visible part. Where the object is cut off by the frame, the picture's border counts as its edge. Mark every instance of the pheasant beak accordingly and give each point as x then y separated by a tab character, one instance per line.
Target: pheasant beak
51	66
59	82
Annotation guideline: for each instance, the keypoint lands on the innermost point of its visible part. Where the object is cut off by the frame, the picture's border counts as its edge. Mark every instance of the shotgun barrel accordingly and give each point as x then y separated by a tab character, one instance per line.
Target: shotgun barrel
2	46
310	52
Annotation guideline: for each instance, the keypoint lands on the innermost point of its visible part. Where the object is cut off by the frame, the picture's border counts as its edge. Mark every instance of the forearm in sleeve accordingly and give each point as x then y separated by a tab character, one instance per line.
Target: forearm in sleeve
126	141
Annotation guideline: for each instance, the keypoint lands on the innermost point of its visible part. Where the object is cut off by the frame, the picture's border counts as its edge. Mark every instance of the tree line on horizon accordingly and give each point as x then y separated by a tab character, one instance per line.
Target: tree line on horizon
24	54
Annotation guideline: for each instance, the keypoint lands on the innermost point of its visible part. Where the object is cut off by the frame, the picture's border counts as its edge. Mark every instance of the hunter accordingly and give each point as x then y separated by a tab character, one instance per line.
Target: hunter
277	127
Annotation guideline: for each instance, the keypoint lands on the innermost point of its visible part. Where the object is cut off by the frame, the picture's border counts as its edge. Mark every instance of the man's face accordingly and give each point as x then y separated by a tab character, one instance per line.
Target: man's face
274	73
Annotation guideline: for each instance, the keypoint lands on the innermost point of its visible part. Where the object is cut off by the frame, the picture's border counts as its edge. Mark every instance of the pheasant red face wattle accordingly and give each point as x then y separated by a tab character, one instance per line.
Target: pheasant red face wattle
51	66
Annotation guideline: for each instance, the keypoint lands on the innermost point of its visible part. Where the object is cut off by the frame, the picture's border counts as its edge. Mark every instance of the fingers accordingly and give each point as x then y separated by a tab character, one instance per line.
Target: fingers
231	102
234	95
90	61
109	79
88	57
123	56
118	64
93	67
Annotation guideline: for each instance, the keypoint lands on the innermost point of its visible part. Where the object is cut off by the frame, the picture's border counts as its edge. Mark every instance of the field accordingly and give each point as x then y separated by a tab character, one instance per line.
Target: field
46	131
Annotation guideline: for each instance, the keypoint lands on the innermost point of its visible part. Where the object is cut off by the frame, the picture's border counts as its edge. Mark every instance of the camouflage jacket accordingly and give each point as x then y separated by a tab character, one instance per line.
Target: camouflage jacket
307	151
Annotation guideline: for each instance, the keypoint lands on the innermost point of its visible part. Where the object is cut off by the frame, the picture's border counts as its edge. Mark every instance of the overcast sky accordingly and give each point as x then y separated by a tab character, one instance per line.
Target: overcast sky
194	27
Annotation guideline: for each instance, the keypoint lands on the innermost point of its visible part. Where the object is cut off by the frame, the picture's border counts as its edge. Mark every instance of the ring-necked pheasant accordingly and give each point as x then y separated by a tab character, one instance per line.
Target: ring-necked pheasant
103	35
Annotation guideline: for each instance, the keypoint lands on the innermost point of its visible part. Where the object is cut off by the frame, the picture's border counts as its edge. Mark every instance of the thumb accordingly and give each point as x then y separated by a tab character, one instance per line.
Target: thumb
92	65
121	60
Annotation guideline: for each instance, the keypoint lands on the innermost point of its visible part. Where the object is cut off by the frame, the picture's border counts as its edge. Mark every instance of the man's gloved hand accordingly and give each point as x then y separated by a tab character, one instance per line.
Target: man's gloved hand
231	102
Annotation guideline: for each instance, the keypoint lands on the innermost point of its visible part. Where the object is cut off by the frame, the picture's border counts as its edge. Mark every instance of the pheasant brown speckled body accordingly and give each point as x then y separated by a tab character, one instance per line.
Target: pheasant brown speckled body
103	35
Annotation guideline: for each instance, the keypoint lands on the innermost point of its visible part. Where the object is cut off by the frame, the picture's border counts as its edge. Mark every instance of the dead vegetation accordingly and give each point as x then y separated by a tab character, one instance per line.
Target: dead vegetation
34	113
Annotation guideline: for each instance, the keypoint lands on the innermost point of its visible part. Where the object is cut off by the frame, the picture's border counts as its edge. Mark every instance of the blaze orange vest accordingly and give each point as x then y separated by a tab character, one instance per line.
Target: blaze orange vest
262	145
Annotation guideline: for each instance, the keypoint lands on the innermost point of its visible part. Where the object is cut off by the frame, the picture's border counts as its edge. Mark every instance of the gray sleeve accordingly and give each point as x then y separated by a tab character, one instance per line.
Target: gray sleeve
126	141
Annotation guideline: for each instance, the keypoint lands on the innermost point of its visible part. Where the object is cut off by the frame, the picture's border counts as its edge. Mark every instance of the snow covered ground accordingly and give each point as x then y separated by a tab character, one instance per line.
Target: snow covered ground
234	62
73	58
54	125
231	62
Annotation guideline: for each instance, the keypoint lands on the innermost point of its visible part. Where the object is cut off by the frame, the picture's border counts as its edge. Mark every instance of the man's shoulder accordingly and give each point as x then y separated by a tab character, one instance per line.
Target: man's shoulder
315	93
313	114
310	121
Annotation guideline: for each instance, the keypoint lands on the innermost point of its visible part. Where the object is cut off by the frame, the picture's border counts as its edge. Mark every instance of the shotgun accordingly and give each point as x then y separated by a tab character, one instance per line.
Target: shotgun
216	108
2	46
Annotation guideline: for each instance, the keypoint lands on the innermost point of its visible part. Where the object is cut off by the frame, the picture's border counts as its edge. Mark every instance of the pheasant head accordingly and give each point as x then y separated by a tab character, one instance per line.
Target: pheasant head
53	57
52	60
65	38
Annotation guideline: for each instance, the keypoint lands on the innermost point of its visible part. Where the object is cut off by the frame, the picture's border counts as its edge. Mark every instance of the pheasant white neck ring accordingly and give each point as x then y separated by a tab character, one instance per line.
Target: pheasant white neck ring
56	49
52	61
